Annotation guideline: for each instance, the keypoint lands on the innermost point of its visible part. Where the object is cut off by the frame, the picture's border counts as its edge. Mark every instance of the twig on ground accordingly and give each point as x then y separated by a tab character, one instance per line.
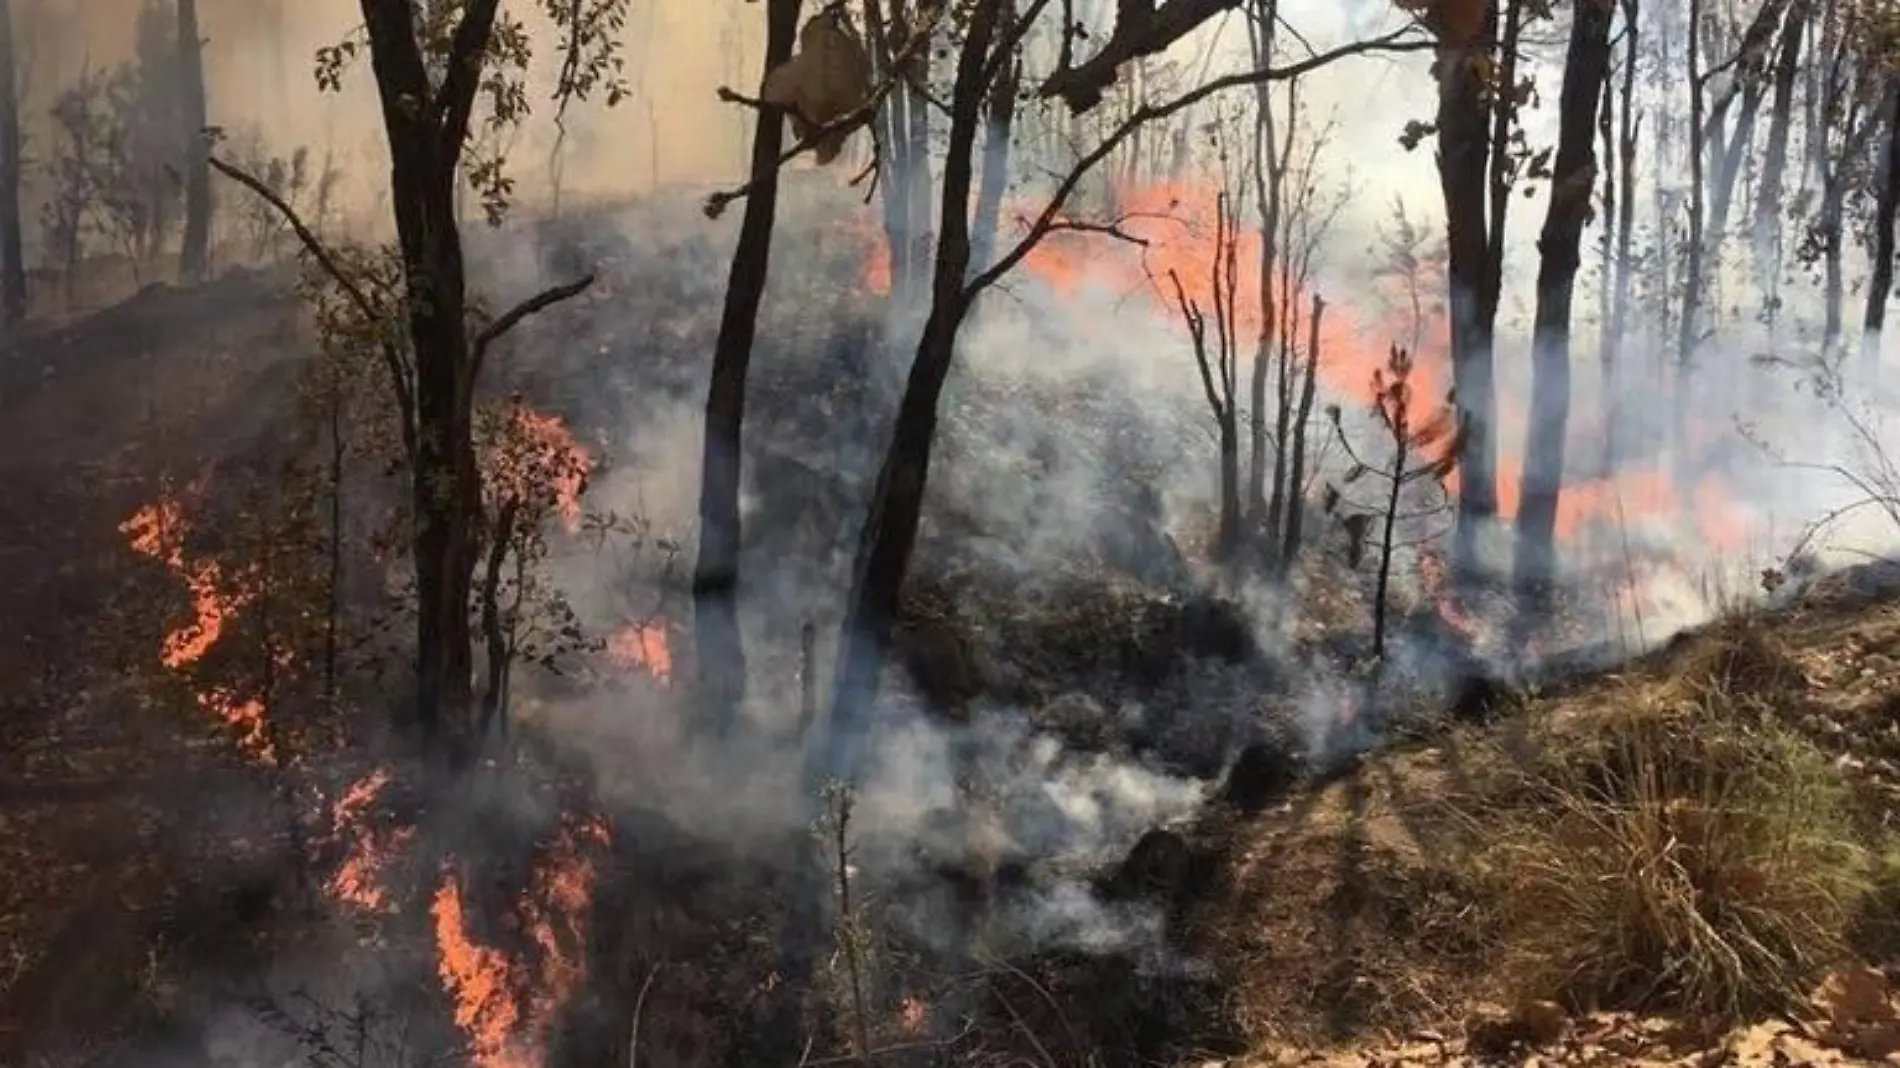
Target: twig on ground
639	1006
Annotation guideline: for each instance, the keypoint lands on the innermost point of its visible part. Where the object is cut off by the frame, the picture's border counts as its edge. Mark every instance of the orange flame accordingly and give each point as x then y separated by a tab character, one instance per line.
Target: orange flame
488	986
541	447
358	880
1176	222
642	646
158	531
479	979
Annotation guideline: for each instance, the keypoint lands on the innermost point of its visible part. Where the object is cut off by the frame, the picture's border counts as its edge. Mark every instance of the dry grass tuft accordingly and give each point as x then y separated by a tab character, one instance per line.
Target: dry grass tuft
1739	656
1674	854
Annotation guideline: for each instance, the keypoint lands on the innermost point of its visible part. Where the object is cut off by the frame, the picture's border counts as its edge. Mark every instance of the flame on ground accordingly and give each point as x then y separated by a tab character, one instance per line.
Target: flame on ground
642	646
369	850
158	531
505	1005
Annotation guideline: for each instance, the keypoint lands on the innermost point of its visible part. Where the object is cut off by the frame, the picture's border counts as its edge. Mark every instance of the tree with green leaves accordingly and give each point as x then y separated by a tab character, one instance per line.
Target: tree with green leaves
436	69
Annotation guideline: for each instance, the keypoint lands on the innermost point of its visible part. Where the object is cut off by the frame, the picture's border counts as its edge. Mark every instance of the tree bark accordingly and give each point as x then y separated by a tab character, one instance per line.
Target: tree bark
1880	285
426	129
719	646
1296	478
1689	324
12	258
1586	69
996	148
1261	25
195	251
1766	236
1464	157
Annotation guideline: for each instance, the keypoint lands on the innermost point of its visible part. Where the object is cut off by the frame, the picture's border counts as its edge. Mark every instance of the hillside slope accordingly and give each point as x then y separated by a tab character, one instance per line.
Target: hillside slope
1393	916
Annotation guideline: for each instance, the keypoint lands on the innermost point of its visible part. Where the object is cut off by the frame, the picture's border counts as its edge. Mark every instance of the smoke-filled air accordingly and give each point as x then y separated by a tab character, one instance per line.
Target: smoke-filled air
948	533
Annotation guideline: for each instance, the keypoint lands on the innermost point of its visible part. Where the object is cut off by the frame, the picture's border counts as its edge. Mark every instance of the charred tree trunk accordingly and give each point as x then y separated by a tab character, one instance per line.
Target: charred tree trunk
996	138
1606	241
1628	137
12	257
893	141
1689	325
194	255
1765	238
1586	69
426	128
719	646
1880	285
890	529
1464	169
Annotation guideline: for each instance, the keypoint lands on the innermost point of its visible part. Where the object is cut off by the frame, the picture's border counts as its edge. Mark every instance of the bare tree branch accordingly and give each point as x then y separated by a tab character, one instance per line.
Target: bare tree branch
1141	29
1110	229
716	203
540	302
392	357
1402	40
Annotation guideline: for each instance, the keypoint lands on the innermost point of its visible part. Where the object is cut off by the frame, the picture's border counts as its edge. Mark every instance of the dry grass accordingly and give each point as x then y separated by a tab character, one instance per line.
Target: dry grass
1682	851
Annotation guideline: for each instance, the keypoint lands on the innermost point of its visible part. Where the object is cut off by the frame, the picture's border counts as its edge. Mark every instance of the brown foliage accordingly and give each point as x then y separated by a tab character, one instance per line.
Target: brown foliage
825	79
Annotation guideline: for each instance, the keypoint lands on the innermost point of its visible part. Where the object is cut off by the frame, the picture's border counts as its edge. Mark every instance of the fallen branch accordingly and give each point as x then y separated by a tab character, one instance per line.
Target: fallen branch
639	1006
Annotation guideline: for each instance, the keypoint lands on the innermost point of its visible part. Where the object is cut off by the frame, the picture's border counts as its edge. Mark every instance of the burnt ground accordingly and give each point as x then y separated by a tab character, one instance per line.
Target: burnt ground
99	793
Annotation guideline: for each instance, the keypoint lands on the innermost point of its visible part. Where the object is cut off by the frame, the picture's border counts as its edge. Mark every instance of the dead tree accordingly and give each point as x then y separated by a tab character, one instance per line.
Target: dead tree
1421	450
996	152
719	647
12	255
1766	234
1220	368
1586	69
1262	21
1689	324
1296	449
194	254
900	53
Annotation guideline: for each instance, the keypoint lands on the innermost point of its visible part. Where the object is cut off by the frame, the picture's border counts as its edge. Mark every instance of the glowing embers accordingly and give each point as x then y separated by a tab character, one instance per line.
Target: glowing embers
642	647
536	457
370	849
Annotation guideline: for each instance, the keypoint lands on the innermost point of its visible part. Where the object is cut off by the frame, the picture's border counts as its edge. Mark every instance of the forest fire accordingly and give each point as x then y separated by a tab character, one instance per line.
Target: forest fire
368	850
1175	225
158	531
506	1005
642	646
538	450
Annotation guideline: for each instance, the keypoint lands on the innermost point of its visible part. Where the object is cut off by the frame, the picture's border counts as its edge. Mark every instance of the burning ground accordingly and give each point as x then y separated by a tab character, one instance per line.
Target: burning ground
1061	858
